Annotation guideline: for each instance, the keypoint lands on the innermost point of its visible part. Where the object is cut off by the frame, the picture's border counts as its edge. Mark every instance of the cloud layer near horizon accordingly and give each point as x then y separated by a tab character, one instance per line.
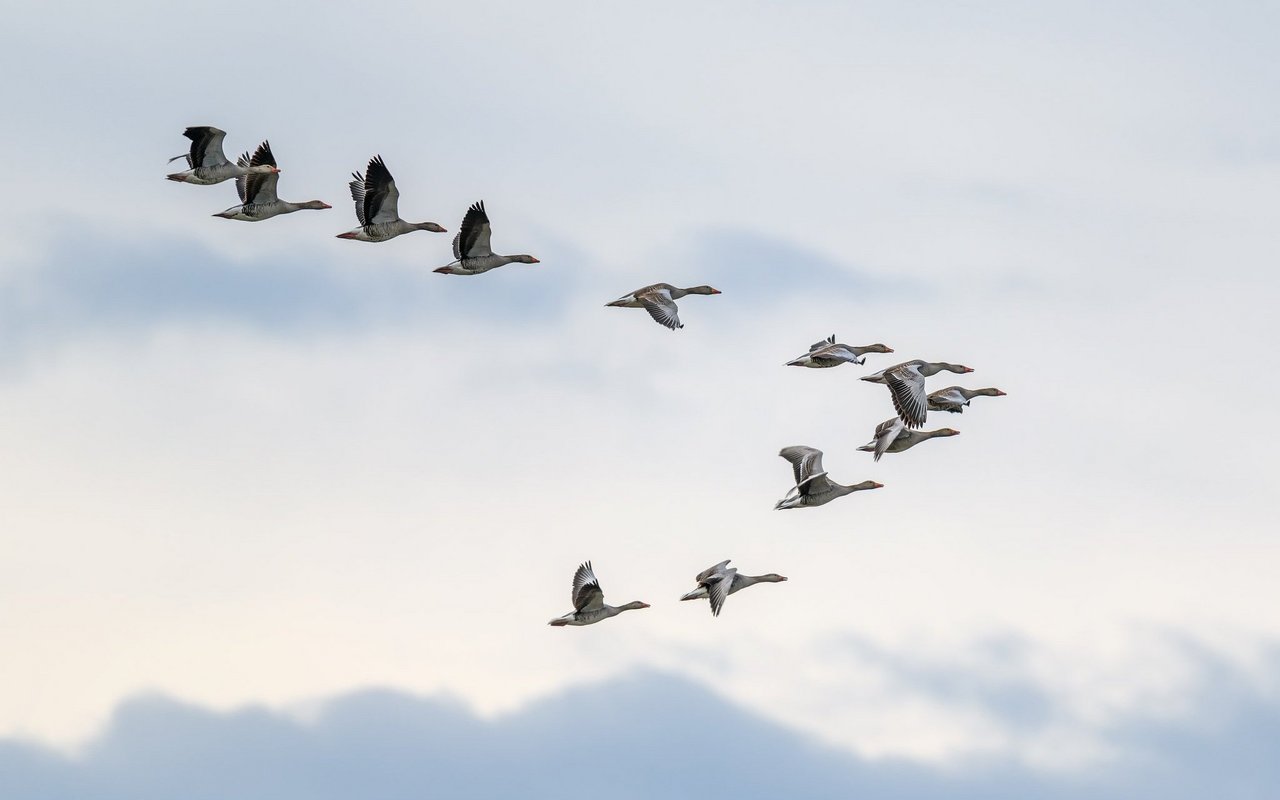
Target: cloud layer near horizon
640	736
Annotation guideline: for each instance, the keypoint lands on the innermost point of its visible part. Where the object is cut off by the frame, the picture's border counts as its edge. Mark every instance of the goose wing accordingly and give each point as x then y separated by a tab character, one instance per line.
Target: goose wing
830	340
587	594
472	240
356	184
260	189
661	307
718	590
945	399
206	146
806	465
381	197
886	432
711	571
906	386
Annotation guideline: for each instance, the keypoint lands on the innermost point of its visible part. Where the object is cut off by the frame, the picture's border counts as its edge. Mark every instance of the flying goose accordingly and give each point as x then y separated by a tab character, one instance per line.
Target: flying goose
471	249
955	398
906	387
376	198
660	301
257	191
720	581
892	437
588	601
207	164
827	353
813	487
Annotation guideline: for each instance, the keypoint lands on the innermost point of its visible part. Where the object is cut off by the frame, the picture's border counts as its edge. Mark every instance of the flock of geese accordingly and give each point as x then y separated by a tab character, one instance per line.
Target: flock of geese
376	201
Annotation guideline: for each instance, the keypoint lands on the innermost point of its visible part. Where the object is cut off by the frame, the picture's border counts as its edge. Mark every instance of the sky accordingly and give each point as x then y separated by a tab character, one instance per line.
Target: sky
253	475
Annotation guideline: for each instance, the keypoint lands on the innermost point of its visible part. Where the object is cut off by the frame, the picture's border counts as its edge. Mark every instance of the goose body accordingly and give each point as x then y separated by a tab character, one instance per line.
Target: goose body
828	353
377	206
471	251
813	487
257	190
588	601
893	437
955	398
718	582
207	164
659	300
926	368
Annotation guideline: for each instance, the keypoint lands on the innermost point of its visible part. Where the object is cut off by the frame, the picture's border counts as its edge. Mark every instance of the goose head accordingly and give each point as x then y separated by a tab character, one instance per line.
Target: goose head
772	577
315	205
701	290
860	487
264	169
634	604
430	226
523	259
878	348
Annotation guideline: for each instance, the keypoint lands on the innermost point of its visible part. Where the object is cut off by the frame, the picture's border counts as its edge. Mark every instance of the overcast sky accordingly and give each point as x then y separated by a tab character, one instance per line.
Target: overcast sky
255	464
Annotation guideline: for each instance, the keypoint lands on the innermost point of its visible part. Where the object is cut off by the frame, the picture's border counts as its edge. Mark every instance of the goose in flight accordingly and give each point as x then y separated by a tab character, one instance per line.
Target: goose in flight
376	198
660	301
827	353
588	601
906	387
257	191
955	398
471	252
813	487
893	437
207	164
720	581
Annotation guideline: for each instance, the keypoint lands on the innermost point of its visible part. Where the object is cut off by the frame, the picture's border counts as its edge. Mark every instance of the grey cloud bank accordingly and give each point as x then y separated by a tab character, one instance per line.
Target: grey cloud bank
641	736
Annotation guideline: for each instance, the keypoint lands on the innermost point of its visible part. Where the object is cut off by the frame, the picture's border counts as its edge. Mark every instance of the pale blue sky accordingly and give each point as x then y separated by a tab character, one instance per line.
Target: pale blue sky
254	465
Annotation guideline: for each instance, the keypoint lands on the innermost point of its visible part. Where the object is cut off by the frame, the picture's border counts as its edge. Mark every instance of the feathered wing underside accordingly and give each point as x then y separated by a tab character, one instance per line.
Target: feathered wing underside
206	146
906	387
472	240
587	594
241	180
718	590
356	184
260	189
381	197
661	307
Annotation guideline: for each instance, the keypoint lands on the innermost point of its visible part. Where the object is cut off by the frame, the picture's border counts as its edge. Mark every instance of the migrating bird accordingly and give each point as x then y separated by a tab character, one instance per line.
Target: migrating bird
892	436
955	398
471	249
660	301
257	191
813	487
906	387
376	198
207	164
720	581
827	353
588	601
